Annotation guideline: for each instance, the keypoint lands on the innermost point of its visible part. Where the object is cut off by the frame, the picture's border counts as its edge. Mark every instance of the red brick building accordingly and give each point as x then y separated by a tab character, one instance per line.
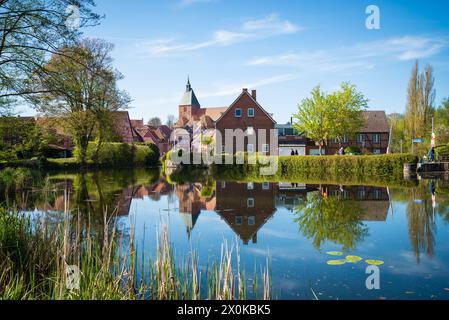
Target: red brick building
244	113
373	138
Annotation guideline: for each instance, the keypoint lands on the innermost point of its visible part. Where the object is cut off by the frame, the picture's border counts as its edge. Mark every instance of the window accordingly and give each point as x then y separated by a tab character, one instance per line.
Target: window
250	131
250	186
376	151
251	112
377	194
250	148
250	202
223	184
265	148
345	139
334	140
238	220
251	220
376	138
360	138
238	113
361	193
266	186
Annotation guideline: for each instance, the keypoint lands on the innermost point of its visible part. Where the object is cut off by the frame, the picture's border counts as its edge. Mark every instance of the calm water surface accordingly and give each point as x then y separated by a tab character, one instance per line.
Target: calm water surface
295	224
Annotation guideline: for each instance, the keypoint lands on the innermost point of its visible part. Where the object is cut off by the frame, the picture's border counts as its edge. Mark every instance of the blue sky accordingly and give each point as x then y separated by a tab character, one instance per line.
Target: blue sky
281	48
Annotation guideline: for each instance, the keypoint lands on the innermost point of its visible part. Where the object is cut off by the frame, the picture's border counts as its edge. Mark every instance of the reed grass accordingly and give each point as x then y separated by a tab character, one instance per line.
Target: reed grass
35	257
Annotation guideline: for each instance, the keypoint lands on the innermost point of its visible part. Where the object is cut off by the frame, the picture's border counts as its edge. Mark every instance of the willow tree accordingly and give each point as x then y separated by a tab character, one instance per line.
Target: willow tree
80	92
331	115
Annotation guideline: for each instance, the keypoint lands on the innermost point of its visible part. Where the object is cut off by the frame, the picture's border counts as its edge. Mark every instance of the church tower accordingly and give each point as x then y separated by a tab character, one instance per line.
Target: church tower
189	104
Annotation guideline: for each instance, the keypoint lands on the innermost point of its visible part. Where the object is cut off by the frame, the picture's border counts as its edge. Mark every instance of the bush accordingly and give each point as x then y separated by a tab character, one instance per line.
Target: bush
353	150
374	167
117	154
442	151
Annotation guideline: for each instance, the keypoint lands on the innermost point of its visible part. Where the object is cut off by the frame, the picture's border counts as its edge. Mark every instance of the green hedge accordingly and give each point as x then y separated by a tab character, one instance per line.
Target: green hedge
116	154
442	151
380	168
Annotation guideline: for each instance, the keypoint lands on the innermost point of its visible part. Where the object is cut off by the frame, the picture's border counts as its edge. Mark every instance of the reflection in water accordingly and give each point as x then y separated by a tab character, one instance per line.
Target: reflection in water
421	220
324	213
296	222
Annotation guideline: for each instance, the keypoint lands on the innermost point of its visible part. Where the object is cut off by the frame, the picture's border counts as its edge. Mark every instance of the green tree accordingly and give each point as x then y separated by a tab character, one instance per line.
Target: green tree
81	92
442	122
30	31
331	218
336	115
398	139
420	103
20	138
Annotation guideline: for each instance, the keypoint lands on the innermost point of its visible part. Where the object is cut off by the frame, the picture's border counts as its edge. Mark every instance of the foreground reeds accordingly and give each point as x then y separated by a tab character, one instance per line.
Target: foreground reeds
37	258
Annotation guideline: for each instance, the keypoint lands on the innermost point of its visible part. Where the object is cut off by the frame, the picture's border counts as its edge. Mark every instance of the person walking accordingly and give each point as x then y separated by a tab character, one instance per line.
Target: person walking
296	153
431	154
292	153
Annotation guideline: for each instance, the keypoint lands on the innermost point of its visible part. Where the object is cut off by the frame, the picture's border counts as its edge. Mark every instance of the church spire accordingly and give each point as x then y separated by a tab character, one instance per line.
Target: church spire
188	86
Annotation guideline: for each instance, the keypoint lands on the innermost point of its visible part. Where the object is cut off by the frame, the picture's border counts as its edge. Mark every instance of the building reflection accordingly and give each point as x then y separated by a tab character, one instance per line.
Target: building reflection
246	207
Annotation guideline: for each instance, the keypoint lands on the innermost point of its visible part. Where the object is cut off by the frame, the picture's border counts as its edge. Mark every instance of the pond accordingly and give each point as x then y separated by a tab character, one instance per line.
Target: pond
295	225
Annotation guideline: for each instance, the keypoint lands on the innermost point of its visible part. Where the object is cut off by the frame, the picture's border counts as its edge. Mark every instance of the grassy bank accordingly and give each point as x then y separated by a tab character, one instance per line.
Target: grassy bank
34	258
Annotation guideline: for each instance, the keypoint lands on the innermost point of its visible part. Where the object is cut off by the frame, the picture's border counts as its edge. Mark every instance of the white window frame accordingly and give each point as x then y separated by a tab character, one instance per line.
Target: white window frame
265	148
377	151
251	220
360	138
235	112
376	138
345	139
251	116
250	131
250	202
266	186
250	185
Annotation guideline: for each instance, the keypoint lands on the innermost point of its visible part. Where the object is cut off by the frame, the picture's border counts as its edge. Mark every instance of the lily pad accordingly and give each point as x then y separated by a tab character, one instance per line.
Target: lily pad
374	262
353	259
334	253
336	262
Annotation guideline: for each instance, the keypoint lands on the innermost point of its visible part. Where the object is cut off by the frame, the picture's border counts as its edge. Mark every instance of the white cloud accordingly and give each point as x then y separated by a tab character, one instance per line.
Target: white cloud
250	30
362	56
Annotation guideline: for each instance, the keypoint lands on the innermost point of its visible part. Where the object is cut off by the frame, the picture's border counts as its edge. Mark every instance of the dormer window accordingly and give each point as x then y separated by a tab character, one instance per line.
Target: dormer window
238	113
250	112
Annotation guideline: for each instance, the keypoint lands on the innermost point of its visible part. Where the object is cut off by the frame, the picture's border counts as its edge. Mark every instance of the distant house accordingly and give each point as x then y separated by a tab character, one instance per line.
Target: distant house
244	113
373	138
290	140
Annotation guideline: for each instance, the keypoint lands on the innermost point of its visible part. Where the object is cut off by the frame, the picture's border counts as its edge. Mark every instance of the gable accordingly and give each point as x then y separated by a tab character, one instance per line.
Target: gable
244	102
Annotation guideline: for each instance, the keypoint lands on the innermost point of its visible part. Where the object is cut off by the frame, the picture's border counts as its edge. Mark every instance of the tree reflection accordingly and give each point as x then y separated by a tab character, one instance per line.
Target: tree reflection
421	219
330	218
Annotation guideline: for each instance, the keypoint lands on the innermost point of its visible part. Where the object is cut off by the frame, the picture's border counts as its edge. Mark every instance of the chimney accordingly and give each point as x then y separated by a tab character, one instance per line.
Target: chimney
254	94
245	89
